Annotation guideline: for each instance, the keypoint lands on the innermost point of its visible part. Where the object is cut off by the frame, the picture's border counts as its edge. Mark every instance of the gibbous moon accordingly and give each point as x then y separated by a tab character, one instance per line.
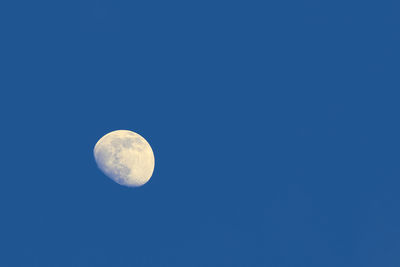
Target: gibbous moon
125	157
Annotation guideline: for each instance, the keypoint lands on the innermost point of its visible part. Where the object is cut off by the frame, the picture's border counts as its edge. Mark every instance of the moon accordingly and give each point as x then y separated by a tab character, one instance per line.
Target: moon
125	157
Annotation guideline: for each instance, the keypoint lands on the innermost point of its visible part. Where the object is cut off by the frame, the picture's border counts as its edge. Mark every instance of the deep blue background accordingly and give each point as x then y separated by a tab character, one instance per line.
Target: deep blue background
275	127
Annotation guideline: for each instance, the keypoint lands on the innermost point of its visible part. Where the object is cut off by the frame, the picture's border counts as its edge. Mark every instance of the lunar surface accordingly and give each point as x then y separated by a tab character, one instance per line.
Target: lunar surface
125	157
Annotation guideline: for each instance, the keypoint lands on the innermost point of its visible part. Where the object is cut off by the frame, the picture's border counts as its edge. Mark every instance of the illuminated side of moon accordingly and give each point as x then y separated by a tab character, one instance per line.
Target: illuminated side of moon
125	157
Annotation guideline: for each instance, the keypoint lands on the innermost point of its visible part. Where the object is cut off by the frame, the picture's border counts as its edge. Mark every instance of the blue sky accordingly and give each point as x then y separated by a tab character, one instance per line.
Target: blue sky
274	126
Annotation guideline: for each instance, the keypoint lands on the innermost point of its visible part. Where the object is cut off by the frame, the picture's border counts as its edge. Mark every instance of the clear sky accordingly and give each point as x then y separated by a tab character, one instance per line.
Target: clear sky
274	124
